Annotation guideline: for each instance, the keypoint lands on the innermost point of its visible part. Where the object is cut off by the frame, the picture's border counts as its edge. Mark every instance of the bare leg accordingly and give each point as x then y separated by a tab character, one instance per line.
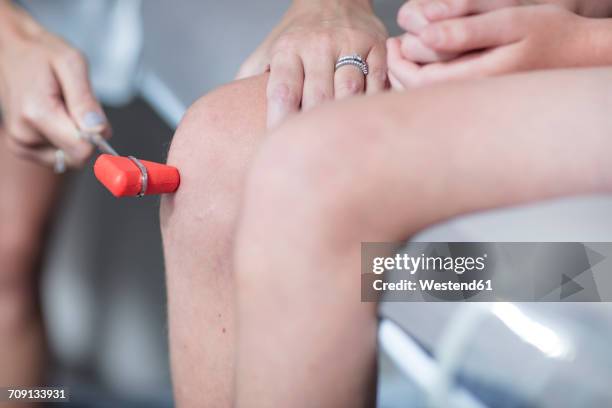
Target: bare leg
213	147
380	169
28	193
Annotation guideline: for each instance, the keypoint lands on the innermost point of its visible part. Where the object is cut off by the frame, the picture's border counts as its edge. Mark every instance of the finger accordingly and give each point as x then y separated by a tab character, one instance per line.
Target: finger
473	33
396	85
434	10
349	80
412	48
318	80
73	75
376	80
45	156
251	67
476	65
410	17
51	120
285	84
401	70
23	134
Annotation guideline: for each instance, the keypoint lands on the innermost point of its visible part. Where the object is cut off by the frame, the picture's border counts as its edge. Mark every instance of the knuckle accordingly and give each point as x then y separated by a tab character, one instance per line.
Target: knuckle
320	95
18	136
31	112
324	39
320	48
455	33
72	58
282	93
285	43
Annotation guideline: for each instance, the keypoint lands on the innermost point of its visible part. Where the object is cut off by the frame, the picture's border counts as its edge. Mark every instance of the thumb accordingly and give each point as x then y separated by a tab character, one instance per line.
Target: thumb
73	75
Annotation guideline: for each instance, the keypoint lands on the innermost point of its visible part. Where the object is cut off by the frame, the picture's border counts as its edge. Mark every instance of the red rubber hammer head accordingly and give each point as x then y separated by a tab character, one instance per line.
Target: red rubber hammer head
123	176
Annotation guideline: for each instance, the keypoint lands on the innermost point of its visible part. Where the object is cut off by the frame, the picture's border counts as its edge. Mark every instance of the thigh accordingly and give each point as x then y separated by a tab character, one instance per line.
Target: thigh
389	165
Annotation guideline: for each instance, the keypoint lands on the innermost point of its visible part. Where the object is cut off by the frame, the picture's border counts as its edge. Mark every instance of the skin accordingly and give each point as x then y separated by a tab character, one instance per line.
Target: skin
45	93
213	146
23	215
475	38
46	100
279	256
381	169
301	52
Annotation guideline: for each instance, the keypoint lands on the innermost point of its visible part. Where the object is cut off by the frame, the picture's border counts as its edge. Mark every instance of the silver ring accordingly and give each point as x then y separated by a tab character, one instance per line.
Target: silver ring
60	162
354	60
144	176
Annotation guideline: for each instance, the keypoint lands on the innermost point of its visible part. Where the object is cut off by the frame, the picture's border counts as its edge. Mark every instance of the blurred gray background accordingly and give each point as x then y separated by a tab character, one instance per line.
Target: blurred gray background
104	295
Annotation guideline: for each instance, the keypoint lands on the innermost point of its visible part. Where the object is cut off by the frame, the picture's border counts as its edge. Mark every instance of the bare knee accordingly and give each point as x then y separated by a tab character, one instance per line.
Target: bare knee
308	180
211	147
303	207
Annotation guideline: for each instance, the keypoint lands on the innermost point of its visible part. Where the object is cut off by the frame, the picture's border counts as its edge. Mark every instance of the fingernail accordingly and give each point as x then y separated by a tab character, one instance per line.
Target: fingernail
413	19
431	36
93	120
435	9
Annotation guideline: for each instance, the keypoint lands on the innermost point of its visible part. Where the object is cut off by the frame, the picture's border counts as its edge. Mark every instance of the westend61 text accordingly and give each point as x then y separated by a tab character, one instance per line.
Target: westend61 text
428	285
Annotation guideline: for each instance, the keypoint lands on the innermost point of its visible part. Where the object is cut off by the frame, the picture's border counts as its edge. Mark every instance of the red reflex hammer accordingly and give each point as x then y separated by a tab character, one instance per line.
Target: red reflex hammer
123	176
129	177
